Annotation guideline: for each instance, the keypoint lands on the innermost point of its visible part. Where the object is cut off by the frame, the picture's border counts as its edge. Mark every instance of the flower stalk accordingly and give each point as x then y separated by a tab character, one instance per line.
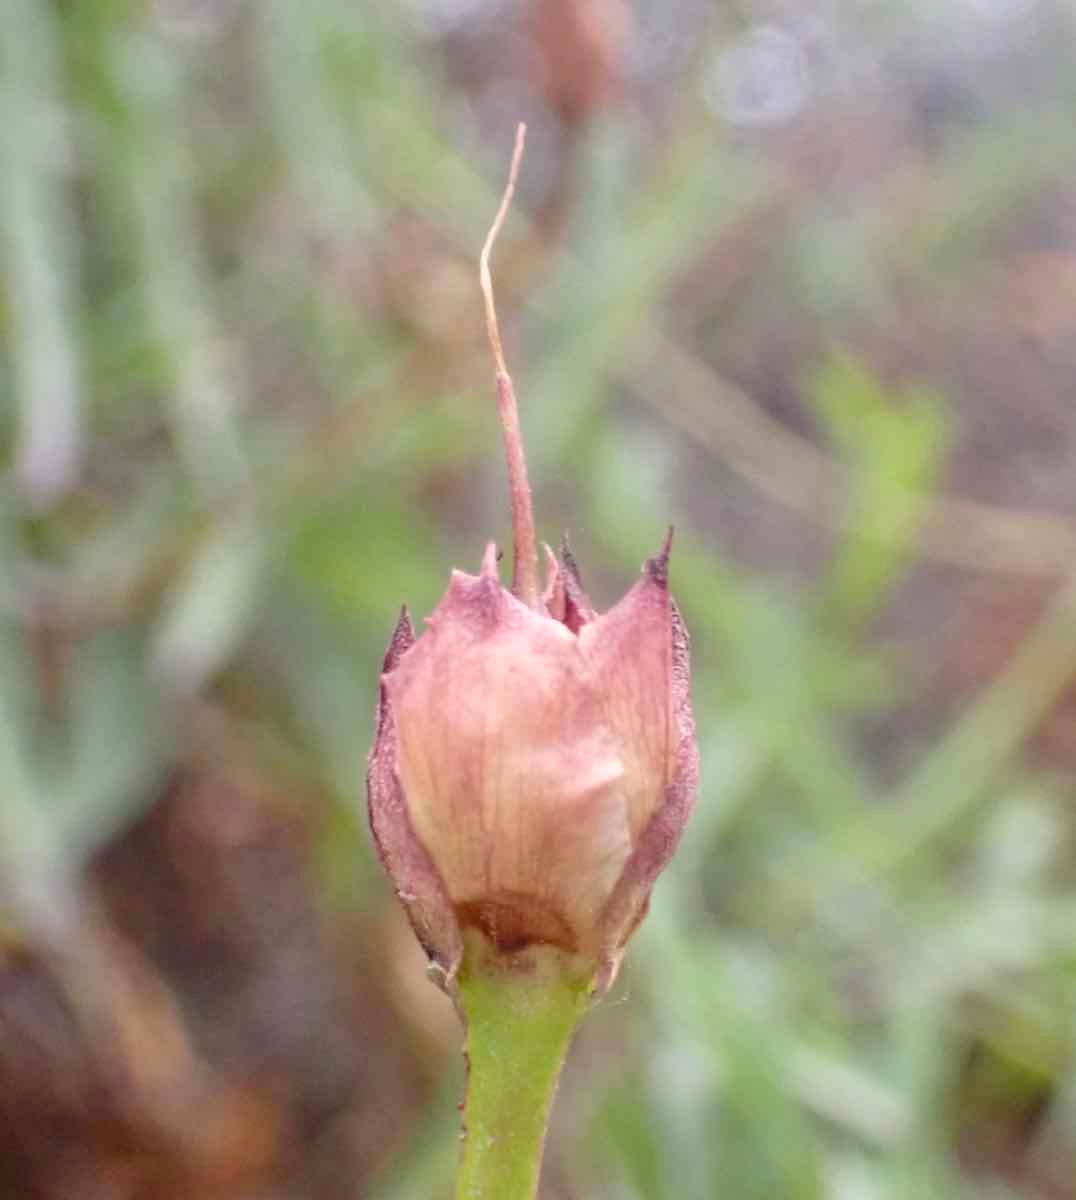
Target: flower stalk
520	1017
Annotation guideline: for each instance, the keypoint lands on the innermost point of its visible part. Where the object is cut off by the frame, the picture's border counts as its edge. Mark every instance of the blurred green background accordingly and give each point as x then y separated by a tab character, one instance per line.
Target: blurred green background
799	279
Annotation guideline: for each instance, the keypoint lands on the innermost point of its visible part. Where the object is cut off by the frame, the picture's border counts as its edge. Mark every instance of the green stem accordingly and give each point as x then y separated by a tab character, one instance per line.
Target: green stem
521	1012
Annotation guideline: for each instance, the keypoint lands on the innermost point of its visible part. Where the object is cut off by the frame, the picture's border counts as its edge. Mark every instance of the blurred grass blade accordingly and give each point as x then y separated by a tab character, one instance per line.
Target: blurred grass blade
957	772
159	168
893	449
117	743
308	123
35	876
39	254
210	606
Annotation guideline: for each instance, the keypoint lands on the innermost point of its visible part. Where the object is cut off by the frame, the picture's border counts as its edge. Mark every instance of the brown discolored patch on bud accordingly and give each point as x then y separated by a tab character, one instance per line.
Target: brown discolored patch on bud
534	762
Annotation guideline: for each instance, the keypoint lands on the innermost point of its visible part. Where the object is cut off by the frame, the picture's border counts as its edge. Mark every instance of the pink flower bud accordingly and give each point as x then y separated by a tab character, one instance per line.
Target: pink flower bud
533	770
534	763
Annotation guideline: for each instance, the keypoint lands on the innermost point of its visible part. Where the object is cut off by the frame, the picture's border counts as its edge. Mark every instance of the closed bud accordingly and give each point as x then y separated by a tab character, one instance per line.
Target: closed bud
534	762
533	769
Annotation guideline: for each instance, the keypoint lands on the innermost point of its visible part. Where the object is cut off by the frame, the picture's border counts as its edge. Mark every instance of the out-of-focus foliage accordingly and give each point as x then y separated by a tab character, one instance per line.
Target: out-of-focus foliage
802	283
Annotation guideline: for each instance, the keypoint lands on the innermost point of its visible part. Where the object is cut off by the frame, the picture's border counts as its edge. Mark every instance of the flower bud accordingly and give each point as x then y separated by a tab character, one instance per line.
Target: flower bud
534	762
533	769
